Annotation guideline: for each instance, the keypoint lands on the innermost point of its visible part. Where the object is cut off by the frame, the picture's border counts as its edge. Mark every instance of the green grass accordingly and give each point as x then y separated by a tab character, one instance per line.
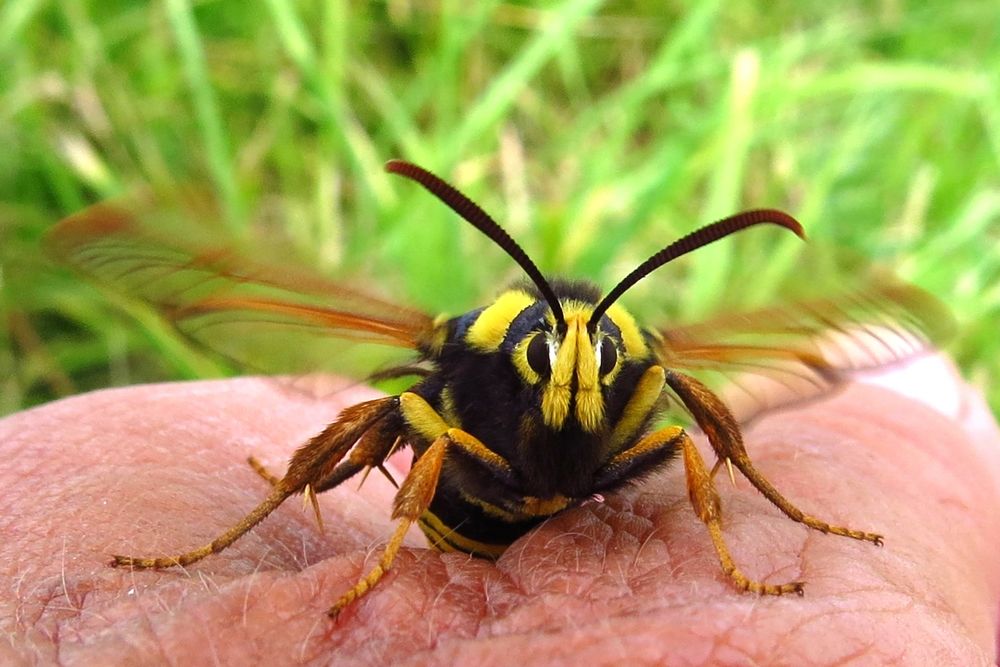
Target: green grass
596	133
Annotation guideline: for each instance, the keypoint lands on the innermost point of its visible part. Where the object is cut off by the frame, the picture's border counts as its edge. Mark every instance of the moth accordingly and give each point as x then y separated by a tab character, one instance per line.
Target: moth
547	395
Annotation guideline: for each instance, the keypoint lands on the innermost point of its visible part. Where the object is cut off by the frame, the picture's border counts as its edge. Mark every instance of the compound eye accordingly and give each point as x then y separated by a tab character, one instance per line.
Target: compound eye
609	355
538	354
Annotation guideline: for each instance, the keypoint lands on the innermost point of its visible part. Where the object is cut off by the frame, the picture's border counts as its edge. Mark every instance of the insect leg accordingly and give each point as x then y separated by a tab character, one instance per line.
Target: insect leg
310	462
412	500
372	450
651	450
417	491
423	418
273	500
724	434
308	494
262	470
705	500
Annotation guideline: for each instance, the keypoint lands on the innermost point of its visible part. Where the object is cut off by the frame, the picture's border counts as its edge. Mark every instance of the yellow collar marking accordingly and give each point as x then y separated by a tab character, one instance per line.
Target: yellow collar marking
635	343
488	331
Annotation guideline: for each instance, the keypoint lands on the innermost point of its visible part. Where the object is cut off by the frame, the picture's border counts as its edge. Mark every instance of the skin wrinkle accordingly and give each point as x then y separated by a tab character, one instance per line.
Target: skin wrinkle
962	481
591	645
822	623
620	524
60	611
953	485
647	620
723	645
887	433
909	604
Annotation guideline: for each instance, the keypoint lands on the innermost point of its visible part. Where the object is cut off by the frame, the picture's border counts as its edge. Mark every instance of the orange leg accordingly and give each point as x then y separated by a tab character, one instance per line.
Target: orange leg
724	434
261	470
412	499
417	490
311	462
704	499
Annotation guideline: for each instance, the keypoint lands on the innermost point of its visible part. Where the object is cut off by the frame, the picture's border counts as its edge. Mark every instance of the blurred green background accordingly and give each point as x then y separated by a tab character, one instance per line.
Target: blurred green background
595	132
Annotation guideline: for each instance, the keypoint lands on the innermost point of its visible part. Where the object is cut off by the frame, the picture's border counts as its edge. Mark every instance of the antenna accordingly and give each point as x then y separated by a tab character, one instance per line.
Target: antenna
696	239
481	220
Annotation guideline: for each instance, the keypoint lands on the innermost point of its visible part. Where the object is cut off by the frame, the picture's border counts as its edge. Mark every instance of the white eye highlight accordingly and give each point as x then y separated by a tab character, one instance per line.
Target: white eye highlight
606	354
553	342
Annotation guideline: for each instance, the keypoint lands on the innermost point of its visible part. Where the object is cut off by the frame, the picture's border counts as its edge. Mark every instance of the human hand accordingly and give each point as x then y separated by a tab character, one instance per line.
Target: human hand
160	469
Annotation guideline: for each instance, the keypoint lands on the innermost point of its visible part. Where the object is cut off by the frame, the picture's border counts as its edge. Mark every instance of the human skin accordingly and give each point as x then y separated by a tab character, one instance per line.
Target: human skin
632	580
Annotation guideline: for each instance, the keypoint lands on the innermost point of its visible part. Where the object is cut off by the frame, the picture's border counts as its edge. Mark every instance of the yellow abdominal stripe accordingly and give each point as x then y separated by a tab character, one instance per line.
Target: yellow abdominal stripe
444	538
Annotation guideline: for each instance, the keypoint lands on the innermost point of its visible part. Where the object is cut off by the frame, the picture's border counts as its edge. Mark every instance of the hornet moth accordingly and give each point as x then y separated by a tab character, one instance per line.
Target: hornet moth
547	396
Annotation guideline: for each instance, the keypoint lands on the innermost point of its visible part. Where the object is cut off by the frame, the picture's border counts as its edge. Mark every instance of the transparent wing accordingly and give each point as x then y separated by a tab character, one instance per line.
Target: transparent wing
769	358
269	316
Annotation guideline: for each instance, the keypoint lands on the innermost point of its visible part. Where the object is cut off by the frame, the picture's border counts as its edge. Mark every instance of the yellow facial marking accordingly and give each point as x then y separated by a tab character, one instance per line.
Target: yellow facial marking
574	358
609	378
491	326
520	358
635	343
589	401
